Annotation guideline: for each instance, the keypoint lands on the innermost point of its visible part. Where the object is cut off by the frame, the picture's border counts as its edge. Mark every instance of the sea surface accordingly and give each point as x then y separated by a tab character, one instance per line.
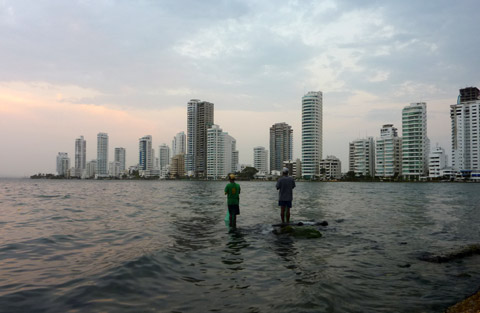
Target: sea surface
162	246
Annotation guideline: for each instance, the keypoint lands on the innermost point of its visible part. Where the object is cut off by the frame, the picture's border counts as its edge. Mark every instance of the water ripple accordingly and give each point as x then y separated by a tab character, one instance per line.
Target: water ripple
162	246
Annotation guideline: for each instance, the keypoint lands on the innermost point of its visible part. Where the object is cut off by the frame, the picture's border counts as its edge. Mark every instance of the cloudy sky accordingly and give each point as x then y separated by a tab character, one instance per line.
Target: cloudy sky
128	68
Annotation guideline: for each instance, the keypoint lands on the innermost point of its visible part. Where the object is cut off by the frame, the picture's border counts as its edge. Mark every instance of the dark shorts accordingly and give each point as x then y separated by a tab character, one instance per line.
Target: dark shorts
288	204
233	209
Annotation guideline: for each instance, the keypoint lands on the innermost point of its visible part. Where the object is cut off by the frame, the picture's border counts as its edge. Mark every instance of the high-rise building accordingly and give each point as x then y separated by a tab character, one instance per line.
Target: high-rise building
260	159
362	156
80	156
102	155
63	164
415	143
331	167
351	157
177	168
281	145
199	119
231	154
388	152
145	162
120	156
164	159
216	153
465	119
179	144
222	156
437	162
312	123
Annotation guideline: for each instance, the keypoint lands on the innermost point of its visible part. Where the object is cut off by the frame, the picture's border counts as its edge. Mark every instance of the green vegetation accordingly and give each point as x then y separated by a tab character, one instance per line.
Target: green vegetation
46	176
248	173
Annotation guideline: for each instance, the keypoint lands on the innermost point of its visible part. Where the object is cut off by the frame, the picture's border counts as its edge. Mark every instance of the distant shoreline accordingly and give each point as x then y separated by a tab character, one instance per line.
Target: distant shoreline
53	177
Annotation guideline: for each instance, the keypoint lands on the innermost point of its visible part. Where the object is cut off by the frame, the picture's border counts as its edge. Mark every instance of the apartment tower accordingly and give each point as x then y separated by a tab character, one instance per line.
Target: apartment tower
199	119
163	159
80	156
63	164
465	119
120	156
222	156
281	145
179	144
312	104
415	144
102	155
331	167
362	156
437	162
146	156
388	152
260	159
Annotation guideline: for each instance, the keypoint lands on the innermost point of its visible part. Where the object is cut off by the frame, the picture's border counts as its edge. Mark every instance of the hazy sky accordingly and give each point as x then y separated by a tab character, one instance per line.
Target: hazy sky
128	68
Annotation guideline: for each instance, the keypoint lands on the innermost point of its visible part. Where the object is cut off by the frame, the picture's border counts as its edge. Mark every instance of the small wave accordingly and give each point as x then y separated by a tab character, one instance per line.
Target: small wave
47	196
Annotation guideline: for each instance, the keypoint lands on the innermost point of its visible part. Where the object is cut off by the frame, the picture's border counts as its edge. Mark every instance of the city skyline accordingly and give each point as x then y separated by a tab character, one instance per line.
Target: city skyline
87	71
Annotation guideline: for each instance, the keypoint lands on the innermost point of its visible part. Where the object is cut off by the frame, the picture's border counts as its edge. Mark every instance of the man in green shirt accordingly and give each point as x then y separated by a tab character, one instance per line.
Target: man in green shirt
232	190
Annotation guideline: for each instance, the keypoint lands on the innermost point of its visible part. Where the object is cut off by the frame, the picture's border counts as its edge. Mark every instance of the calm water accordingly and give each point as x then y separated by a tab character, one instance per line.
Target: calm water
156	246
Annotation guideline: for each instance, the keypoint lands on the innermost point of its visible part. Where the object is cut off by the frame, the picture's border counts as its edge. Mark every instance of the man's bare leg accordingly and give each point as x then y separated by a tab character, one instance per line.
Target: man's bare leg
282	214
288	215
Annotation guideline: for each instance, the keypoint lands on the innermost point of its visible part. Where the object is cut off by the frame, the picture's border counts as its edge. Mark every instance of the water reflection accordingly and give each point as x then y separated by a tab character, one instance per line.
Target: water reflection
285	248
233	256
194	233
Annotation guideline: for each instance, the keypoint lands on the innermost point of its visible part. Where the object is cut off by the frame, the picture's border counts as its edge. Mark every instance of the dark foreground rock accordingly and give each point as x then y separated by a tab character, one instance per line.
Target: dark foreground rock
454	255
469	305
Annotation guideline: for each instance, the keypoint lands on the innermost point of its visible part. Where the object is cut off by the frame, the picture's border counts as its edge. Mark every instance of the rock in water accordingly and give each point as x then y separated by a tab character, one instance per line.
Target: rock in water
301	232
458	254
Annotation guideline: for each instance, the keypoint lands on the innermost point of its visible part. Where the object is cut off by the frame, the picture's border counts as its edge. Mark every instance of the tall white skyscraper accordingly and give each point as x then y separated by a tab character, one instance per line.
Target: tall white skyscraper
415	144
281	145
216	153
146	157
179	144
231	154
388	157
222	156
260	159
63	164
102	154
80	156
199	119
312	126
120	156
362	156
465	119
163	159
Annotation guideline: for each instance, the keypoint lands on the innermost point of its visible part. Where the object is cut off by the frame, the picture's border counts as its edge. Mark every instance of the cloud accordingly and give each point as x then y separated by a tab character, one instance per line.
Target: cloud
39	122
148	58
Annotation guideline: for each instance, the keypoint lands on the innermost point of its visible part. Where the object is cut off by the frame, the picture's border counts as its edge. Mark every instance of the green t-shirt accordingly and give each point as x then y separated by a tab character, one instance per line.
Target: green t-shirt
232	190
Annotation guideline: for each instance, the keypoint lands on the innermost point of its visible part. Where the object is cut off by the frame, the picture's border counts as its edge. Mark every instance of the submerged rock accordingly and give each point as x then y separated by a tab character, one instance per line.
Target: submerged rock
455	255
300	232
